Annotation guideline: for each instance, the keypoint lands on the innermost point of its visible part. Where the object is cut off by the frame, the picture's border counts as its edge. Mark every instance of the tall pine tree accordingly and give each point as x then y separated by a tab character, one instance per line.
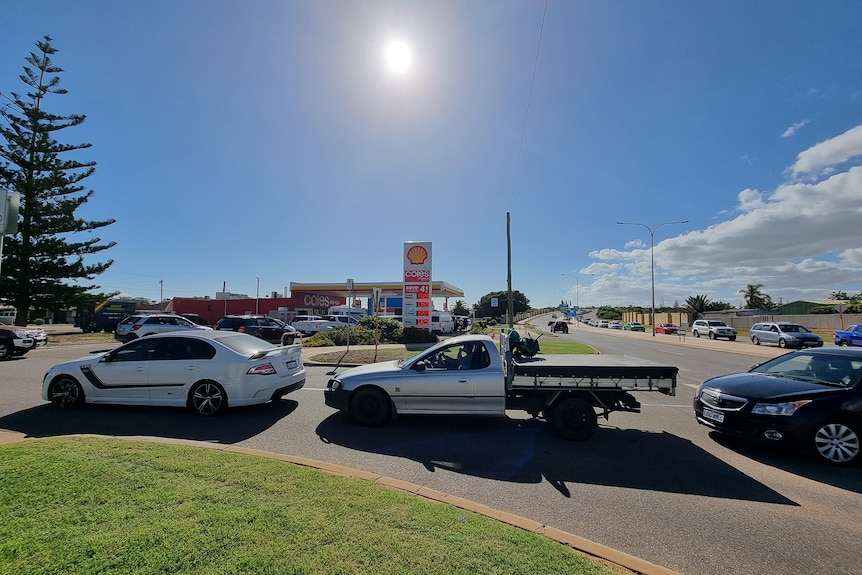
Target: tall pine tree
43	262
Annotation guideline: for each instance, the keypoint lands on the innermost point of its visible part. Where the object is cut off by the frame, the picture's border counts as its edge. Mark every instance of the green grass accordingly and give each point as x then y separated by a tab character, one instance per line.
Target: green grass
75	505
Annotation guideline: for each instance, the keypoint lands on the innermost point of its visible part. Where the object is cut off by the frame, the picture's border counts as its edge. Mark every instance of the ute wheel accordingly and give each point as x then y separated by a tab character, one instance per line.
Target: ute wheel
574	419
837	443
66	393
755	340
369	407
207	398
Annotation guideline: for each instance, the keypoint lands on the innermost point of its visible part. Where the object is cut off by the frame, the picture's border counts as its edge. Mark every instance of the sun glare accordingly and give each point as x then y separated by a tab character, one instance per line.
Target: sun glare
398	57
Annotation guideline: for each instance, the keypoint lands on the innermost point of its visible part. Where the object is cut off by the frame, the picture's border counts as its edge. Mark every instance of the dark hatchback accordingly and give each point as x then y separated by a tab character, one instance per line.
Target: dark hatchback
262	326
811	399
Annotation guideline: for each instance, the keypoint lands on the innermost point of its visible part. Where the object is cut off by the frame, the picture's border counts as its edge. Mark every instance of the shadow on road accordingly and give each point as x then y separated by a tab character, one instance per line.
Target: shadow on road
234	426
523	451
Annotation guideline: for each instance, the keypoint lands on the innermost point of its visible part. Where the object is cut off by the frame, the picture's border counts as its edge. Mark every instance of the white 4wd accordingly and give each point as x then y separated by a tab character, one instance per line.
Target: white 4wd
713	329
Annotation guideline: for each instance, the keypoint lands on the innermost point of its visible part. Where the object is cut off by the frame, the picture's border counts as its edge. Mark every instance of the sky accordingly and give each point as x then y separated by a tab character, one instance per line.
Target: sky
247	145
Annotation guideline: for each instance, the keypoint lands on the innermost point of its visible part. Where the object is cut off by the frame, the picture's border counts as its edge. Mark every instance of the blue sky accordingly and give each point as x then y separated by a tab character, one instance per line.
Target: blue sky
267	141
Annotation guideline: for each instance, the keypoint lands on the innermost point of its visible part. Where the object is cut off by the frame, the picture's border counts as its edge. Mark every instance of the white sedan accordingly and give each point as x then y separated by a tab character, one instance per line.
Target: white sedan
206	371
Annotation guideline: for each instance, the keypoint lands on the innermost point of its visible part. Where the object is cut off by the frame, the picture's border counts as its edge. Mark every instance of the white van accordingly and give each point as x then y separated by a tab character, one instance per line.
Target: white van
7	317
442	322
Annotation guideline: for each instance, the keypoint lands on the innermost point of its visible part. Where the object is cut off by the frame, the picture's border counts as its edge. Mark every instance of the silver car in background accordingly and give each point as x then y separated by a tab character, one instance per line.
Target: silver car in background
784	334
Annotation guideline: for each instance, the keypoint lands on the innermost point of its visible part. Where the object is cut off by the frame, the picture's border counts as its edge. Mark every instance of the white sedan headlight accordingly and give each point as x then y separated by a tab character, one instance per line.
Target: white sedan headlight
787	408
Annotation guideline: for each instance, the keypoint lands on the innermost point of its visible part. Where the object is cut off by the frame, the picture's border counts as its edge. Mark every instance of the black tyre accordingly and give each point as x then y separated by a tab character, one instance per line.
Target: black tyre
66	393
842	343
782	343
207	398
370	407
732	338
5	351
711	335
837	442
755	340
696	333
574	419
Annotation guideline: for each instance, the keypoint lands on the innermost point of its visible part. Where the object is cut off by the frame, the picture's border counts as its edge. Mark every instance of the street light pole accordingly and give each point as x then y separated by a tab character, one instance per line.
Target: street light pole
652	259
578	291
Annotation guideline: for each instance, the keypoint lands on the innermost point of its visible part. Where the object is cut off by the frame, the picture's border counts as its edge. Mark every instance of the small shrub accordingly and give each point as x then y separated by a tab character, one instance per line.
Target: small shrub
320	339
416	335
358	335
39	321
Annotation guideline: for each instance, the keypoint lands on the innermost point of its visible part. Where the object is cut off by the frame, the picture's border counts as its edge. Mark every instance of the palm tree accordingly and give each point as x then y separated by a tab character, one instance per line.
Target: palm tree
754	298
695	306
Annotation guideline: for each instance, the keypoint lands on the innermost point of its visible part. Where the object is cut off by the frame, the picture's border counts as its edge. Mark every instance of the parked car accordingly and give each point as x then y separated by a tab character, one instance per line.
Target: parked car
784	334
262	326
560	326
668	328
198	319
713	329
204	370
14	341
616	324
40	338
809	398
603	323
136	326
634	326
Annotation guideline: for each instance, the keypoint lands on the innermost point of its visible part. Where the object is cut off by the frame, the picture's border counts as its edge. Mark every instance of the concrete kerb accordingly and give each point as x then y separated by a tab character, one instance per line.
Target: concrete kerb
579	544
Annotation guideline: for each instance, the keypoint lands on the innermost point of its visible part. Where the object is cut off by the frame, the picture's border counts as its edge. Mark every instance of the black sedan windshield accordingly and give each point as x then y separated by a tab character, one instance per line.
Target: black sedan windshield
831	369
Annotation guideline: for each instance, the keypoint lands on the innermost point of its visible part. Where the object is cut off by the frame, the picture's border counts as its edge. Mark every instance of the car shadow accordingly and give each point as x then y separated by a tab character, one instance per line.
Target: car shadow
523	451
791	460
234	426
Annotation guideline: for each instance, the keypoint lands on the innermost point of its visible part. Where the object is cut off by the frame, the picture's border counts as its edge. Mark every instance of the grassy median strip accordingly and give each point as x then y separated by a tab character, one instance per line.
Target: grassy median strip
81	505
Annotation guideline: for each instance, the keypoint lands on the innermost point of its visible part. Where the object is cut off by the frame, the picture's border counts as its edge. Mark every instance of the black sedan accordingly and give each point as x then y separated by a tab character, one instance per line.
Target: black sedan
810	398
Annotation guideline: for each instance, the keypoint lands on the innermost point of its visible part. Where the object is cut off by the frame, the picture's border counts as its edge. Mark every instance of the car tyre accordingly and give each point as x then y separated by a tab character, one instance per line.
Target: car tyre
732	338
711	335
842	343
370	407
755	340
838	443
66	393
574	419
782	343
5	351
696	333
207	398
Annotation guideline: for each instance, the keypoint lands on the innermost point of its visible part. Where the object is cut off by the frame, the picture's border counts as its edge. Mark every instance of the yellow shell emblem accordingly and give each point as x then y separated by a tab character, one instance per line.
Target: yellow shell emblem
417	255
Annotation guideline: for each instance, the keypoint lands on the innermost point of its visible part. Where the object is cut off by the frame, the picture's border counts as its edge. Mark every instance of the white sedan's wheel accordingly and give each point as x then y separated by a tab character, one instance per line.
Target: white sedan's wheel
207	398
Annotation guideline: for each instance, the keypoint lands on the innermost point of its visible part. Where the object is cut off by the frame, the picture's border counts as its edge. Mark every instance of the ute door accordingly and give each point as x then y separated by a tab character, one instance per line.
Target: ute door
121	375
439	383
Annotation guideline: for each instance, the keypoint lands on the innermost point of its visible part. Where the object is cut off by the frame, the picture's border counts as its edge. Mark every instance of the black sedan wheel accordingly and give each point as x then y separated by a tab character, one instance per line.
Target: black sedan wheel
207	398
369	407
66	393
574	419
837	443
5	351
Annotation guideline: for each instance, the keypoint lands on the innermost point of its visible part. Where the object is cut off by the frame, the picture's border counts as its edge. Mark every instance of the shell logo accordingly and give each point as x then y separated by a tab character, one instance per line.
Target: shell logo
417	255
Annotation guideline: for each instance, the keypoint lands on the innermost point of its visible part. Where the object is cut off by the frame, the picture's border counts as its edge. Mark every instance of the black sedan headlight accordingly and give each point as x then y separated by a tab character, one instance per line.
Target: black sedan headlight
785	408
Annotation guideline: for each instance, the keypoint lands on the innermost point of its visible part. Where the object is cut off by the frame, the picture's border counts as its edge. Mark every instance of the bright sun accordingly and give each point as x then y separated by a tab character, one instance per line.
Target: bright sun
398	57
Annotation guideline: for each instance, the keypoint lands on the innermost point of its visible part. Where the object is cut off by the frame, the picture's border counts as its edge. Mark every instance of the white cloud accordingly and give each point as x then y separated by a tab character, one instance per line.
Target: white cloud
800	240
792	129
824	156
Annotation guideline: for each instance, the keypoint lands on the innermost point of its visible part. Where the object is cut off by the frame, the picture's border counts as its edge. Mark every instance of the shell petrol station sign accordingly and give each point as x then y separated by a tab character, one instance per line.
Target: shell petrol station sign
416	310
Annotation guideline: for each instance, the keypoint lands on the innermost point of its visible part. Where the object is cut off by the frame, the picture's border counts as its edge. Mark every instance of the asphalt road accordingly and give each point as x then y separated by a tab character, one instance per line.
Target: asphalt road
655	485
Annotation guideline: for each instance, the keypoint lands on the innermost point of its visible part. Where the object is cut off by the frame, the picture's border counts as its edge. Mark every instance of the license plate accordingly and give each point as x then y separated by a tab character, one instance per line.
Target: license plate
291	364
716	416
